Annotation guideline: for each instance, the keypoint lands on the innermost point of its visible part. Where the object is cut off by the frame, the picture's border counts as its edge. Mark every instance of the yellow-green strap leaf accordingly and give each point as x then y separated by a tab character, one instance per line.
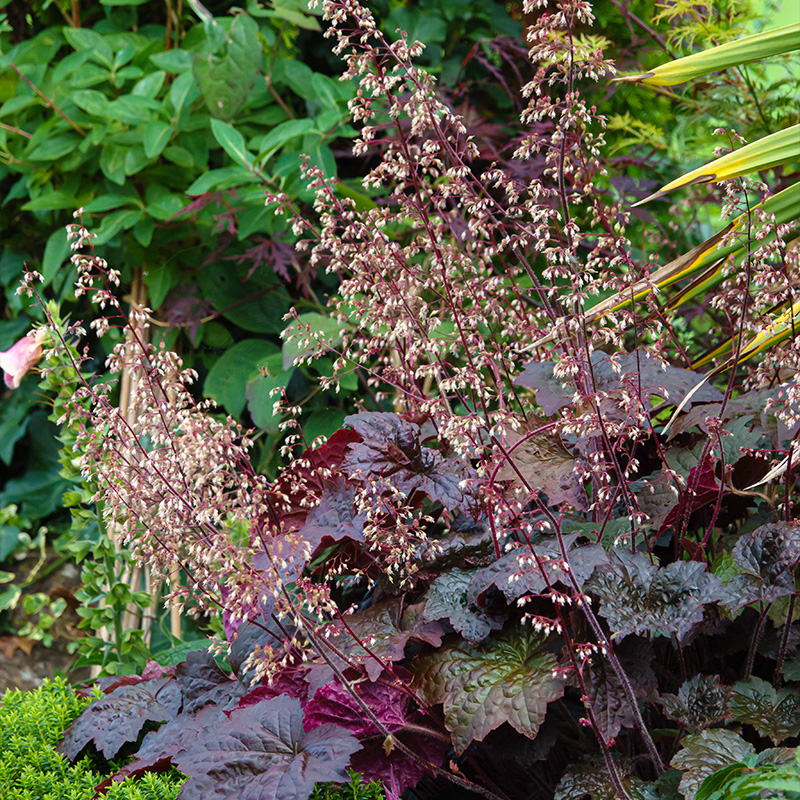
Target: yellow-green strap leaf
778	148
730	54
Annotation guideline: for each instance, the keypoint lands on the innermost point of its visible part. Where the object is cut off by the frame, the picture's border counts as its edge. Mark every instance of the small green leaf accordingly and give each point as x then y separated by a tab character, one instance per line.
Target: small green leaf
55	253
86	40
232	142
176	61
156	136
115	222
150	85
304	335
91	101
112	162
180	89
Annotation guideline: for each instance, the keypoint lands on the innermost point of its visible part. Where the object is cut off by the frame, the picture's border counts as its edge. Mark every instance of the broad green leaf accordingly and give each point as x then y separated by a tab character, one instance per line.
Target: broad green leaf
156	136
772	713
107	202
772	150
143	231
283	133
131	109
162	204
91	101
706	752
135	160
305	334
180	89
37	492
506	680
322	423
228	378
115	222
51	201
731	54
260	402
176	61
226	79
150	85
84	39
232	142
218	179
55	253
14	418
112	162
55	147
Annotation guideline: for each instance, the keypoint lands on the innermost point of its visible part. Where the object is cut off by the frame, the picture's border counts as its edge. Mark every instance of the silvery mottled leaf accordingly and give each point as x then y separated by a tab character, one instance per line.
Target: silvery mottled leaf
767	557
639	597
700	702
447	599
773	713
706	752
591	780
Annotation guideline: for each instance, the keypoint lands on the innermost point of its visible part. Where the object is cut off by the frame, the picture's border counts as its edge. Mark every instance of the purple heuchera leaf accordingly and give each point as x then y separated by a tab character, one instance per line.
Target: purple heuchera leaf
262	753
447	599
385	628
393	446
637	596
118	718
203	683
616	376
334	517
333	703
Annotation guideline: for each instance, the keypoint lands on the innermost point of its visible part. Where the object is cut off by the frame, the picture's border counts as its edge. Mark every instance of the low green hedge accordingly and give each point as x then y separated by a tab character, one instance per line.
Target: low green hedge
32	724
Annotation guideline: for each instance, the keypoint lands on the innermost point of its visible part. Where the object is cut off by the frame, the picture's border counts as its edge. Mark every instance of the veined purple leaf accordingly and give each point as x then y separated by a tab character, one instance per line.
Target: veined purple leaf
510	679
333	703
385	629
334	518
203	683
393	446
639	597
447	599
617	377
263	753
118	718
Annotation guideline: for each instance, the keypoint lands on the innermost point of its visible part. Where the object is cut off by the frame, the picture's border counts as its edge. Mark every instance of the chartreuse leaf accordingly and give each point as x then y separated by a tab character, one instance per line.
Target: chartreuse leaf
730	54
509	679
772	773
773	713
706	752
771	151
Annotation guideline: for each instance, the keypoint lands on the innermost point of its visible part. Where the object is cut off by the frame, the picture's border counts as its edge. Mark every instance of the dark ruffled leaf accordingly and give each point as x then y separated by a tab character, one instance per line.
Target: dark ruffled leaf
773	713
118	718
250	637
706	752
333	703
523	570
160	747
152	670
290	682
262	753
593	781
467	544
604	690
385	628
393	446
700	702
704	489
203	683
447	599
506	680
334	518
767	557
541	463
618	377
639	597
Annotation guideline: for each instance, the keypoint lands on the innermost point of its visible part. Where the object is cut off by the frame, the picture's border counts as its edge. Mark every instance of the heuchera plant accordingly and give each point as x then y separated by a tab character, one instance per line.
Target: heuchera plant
538	567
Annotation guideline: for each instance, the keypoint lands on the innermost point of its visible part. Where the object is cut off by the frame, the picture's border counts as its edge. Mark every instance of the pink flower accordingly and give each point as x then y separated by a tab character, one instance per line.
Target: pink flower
17	360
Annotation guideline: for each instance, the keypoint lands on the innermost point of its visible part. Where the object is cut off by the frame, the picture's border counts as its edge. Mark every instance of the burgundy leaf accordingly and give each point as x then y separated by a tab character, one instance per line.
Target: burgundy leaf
393	446
333	703
203	683
334	518
118	718
262	753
